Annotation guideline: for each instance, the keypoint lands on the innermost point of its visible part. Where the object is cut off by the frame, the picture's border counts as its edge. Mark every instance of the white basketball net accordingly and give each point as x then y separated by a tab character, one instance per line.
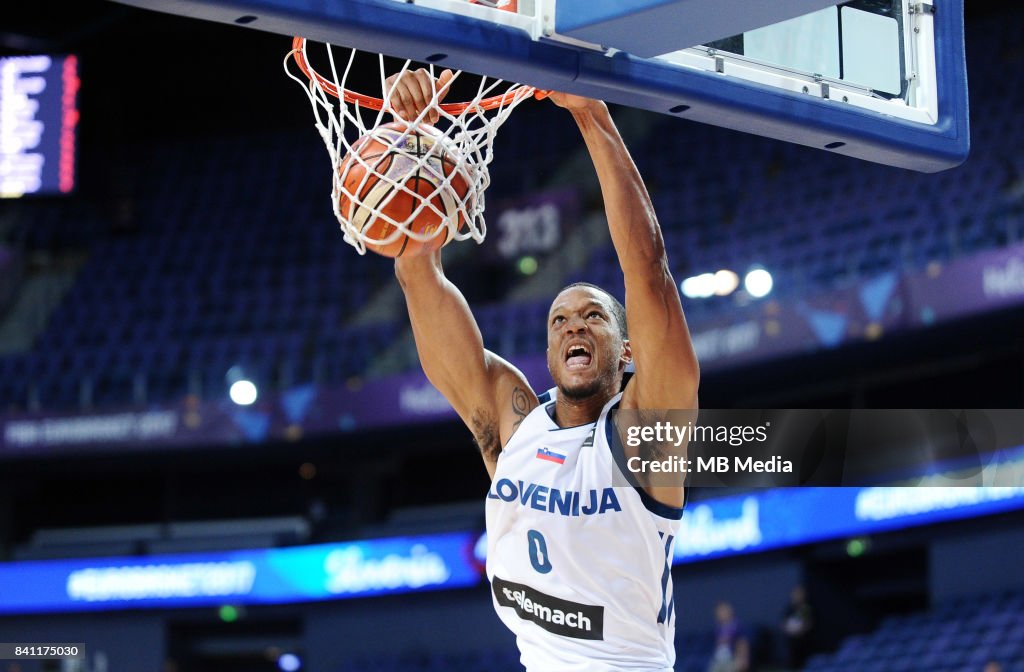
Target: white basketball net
455	157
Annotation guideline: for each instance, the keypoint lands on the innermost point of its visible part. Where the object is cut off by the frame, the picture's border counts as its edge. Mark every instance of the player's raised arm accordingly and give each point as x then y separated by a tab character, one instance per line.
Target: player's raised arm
489	394
667	373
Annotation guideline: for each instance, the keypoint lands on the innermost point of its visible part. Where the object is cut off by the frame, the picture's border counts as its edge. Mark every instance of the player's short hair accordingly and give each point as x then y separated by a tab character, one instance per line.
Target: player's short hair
617	309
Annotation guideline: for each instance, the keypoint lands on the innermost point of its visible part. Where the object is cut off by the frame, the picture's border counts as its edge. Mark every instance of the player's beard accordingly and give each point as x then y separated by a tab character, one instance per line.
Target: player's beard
586	390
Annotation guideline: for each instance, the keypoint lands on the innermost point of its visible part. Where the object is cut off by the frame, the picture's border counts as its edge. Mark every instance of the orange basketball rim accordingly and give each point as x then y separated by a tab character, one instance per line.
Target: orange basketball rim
298	52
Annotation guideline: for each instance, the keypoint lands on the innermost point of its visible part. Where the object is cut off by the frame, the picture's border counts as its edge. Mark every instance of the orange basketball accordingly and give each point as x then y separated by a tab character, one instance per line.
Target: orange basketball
384	176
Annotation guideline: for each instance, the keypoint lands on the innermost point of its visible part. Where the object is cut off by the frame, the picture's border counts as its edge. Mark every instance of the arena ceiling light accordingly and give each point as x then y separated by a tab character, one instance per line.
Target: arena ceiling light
699	286
289	662
726	282
758	283
241	389
721	283
243	392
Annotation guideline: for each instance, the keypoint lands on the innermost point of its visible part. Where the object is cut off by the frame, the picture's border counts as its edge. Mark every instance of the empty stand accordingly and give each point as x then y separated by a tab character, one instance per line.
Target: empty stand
226	253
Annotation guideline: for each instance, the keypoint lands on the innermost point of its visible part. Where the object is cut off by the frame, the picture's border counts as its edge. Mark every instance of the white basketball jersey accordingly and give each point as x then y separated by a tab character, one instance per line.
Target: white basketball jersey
579	570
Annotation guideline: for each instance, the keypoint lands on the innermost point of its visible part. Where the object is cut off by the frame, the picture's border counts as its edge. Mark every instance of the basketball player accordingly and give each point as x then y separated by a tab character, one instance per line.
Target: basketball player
579	569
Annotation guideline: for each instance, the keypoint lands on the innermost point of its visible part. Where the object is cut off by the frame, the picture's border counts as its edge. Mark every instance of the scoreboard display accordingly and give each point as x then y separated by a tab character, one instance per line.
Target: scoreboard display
38	124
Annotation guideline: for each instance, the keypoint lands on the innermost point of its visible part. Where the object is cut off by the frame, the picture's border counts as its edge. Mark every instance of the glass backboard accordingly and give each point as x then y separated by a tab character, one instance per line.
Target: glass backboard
880	80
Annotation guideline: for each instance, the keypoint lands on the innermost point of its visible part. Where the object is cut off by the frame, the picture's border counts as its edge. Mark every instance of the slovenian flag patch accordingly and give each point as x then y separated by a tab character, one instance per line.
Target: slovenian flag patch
550	456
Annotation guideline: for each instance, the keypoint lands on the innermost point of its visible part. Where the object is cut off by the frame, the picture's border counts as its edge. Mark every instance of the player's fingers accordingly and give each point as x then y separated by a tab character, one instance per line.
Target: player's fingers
389	93
393	90
414	91
401	102
443	84
425	93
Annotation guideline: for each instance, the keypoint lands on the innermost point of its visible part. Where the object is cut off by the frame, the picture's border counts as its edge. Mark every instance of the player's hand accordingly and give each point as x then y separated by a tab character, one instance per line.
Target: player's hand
574	103
412	91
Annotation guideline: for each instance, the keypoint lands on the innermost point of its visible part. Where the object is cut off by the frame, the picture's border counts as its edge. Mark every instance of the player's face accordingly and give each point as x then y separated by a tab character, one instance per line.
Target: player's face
586	353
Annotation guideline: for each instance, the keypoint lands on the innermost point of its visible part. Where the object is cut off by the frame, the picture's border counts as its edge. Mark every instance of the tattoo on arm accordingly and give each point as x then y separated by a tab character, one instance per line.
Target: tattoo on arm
520	406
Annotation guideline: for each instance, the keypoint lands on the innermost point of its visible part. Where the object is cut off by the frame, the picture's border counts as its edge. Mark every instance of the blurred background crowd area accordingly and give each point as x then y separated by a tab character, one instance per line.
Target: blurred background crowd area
198	250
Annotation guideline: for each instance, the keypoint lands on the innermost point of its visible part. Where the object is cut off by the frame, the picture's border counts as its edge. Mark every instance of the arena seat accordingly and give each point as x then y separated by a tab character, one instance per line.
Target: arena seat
960	635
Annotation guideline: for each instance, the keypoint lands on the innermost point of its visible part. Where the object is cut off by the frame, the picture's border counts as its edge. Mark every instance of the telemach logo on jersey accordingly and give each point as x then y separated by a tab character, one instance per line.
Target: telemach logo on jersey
558	616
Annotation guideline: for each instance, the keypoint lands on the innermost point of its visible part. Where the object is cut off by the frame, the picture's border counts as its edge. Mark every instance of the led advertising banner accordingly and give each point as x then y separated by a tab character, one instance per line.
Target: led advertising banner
770	519
760	521
776	518
38	124
269	576
773	519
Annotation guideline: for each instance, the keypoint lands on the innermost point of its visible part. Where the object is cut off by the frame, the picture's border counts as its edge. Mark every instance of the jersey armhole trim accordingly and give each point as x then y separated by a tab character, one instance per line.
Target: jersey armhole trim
659	509
650	503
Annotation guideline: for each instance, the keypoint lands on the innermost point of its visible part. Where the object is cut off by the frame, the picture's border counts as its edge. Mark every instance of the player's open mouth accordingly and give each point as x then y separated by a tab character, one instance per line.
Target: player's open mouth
577	356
